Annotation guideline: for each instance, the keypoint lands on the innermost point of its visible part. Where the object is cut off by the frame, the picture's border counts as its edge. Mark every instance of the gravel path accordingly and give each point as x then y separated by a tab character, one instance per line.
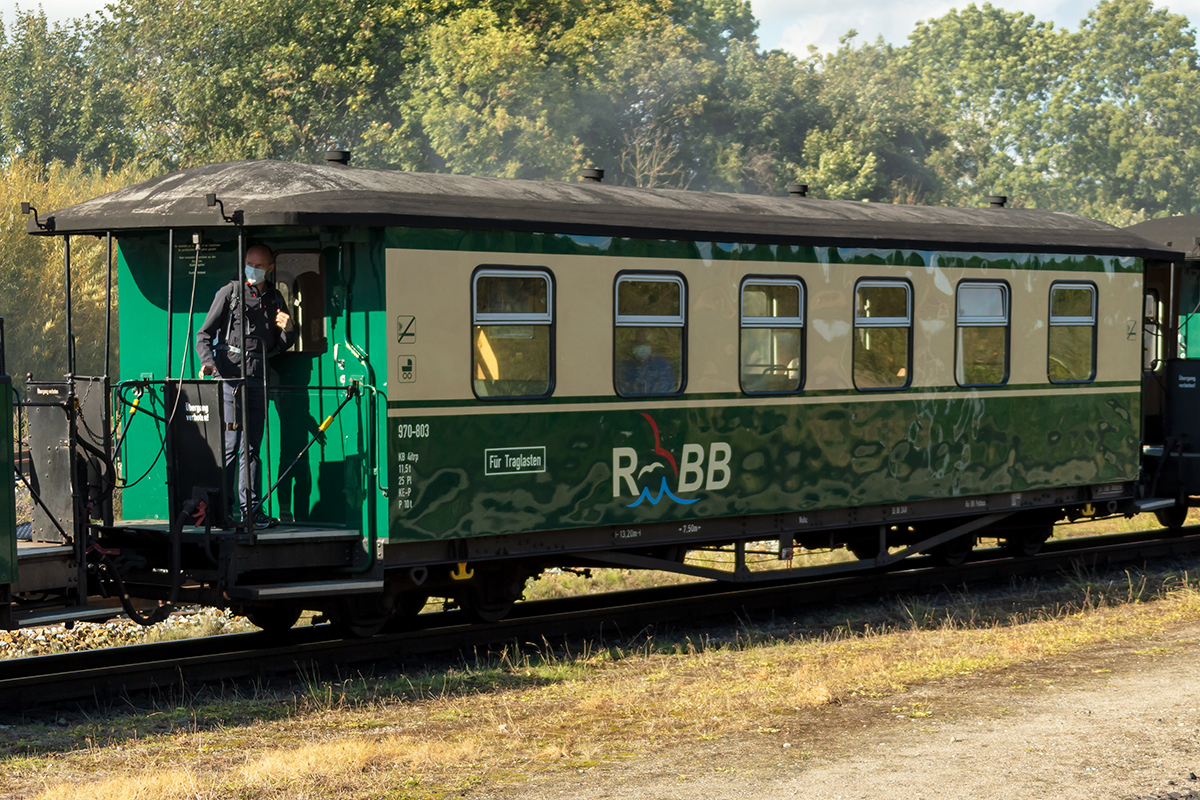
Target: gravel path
1116	722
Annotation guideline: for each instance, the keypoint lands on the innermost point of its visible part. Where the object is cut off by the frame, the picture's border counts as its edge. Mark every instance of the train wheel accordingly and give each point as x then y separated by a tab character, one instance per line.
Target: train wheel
358	616
864	548
953	552
491	595
1027	542
272	619
407	607
1172	518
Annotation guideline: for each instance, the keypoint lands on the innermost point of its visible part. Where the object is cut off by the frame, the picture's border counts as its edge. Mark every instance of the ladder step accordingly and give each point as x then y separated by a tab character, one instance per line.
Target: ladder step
39	618
281	591
295	537
1153	503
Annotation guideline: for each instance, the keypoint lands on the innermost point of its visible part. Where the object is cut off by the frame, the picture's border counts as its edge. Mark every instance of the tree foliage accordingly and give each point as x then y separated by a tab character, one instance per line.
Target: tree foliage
672	93
31	268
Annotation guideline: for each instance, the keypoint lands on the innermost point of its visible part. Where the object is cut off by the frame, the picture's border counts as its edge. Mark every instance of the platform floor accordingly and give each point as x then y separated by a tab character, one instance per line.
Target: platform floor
298	528
39	549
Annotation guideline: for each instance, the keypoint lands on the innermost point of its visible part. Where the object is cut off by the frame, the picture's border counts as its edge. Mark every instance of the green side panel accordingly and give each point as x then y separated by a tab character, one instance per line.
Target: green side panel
8	505
482	474
333	483
1189	312
568	244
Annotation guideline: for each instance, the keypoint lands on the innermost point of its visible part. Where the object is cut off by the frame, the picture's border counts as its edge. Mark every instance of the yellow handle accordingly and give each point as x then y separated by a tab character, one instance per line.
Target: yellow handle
328	421
134	405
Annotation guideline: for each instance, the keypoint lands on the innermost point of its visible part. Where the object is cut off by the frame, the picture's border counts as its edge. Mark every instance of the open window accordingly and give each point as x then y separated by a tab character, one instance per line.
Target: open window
1072	346
300	278
512	333
982	321
772	335
882	335
1152	334
648	351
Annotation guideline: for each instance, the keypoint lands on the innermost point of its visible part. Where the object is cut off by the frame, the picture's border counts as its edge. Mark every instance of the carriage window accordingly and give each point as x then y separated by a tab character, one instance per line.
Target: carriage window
648	349
512	312
982	357
882	332
1072	349
772	335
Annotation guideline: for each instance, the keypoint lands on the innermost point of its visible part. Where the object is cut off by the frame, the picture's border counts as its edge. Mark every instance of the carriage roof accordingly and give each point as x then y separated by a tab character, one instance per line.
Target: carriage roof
281	193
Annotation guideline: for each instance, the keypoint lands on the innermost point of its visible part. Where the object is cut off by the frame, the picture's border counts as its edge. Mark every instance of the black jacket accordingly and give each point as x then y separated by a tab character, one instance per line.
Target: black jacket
218	342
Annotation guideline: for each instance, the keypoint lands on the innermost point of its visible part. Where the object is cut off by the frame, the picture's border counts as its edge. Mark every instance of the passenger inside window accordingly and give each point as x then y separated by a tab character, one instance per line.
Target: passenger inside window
648	344
642	364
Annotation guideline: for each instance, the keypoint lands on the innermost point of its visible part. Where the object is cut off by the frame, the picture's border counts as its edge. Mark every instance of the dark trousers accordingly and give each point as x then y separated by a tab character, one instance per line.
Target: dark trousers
233	393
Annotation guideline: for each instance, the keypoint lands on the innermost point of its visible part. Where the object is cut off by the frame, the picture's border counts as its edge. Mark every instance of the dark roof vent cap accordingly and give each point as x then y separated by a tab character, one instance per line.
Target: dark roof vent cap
997	200
798	189
338	157
593	175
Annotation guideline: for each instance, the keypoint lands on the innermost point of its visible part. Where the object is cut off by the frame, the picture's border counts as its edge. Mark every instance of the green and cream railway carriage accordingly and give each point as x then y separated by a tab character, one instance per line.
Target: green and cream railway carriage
497	377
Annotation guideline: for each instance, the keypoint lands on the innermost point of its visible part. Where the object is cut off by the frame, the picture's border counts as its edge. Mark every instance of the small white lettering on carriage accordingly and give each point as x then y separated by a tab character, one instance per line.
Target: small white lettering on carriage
513	460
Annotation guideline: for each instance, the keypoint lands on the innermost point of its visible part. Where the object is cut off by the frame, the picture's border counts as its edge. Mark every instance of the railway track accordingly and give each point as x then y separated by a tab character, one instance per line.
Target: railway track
99	676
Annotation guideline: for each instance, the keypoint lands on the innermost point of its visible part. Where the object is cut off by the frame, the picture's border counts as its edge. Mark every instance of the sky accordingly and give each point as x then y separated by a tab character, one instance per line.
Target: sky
790	24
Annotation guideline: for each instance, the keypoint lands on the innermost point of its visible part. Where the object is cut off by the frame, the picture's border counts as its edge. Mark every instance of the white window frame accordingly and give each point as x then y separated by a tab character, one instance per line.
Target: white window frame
885	322
771	322
489	318
649	320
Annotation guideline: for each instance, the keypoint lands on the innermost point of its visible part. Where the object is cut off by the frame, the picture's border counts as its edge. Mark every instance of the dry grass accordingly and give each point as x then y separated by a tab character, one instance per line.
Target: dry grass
516	714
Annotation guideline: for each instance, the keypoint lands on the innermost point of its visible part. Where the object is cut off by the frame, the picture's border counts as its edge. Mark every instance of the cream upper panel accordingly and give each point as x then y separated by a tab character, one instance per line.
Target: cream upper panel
434	288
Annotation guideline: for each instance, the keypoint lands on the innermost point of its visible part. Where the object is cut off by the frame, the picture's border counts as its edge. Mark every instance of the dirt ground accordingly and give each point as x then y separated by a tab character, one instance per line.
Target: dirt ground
1122	721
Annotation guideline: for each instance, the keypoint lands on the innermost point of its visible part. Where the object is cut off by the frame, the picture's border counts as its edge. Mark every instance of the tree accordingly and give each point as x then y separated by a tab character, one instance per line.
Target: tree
875	131
489	100
1124	120
31	267
987	76
210	81
53	105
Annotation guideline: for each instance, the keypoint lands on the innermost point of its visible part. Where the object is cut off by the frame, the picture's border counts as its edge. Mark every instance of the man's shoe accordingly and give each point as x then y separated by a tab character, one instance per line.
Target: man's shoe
261	521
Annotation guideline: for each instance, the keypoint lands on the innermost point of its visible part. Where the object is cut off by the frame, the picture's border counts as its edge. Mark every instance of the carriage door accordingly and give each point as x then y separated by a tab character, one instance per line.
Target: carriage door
300	402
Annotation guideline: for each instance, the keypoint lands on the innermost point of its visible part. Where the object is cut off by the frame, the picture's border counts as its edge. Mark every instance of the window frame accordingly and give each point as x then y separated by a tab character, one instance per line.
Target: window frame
883	322
548	319
650	321
1158	362
1066	322
983	322
798	323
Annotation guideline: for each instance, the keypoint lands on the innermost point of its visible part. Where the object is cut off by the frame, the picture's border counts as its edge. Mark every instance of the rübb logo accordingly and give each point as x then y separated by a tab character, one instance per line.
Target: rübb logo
1187	381
634	472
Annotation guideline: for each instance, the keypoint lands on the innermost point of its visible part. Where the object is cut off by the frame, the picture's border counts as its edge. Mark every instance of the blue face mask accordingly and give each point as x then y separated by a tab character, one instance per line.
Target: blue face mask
255	275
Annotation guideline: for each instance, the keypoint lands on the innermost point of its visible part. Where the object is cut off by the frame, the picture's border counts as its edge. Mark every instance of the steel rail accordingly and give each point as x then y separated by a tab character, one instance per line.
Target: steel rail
102	676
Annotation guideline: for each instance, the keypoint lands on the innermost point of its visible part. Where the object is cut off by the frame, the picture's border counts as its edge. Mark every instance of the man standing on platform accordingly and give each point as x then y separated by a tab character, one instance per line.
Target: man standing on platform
269	330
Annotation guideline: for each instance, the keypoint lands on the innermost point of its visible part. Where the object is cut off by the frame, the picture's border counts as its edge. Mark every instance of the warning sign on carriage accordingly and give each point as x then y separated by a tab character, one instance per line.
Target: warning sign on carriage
514	460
